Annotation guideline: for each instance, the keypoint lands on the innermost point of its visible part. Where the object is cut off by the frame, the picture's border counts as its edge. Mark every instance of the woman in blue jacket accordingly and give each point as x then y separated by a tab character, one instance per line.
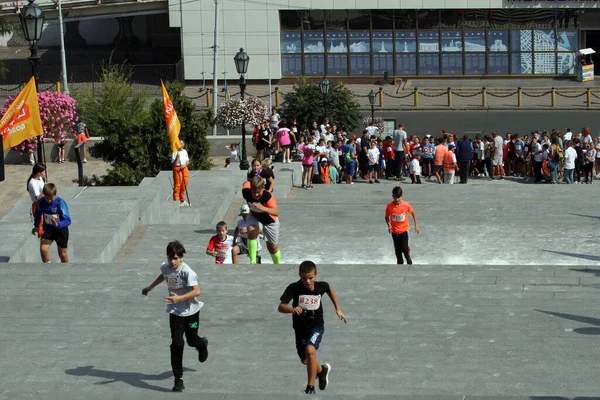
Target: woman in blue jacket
51	223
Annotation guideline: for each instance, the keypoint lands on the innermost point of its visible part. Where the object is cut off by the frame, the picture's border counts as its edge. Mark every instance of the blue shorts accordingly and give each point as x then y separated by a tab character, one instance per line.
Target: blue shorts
351	168
311	336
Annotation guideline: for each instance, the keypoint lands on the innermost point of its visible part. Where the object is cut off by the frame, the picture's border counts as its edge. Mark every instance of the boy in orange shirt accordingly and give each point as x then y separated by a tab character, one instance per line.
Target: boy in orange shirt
396	218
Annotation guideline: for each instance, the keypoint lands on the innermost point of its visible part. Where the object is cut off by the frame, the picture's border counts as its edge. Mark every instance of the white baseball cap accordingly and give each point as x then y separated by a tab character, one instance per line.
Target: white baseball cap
244	210
323	159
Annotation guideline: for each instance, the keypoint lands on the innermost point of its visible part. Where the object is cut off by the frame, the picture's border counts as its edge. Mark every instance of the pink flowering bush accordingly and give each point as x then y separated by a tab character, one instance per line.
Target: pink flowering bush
231	113
57	111
378	123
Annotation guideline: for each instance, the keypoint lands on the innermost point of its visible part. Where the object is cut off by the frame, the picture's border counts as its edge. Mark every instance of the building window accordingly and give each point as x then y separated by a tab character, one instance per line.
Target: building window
428	19
360	42
544	40
474	63
406	64
314	64
337	42
291	42
429	64
497	41
337	20
521	40
313	20
383	63
567	40
521	63
291	65
359	19
337	64
565	63
290	20
314	42
360	64
497	64
382	19
452	41
429	41
544	63
452	64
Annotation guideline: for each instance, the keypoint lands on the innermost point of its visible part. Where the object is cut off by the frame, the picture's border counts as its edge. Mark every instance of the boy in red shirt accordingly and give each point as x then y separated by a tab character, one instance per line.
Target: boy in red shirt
220	245
396	218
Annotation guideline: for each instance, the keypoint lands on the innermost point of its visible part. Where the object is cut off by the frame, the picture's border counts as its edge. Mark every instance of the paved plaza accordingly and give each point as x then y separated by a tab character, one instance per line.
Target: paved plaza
501	302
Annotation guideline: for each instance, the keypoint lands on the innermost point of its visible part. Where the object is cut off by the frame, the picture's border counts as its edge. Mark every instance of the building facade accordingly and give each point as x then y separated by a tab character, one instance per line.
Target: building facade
403	38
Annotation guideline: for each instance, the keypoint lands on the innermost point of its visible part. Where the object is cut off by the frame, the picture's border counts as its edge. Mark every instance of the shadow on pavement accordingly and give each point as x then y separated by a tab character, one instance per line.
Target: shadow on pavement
578	318
583	215
131	378
576	255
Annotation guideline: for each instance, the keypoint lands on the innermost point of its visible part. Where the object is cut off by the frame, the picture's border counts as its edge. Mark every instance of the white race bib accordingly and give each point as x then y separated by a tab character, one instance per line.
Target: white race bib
49	218
398	217
309	302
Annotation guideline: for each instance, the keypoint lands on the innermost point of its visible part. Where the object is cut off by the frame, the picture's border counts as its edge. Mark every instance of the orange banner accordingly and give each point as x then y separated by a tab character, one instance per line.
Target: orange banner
22	119
173	124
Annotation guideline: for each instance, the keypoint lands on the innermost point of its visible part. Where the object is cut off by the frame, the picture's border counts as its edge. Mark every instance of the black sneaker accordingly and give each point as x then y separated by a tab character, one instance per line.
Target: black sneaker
408	260
203	351
178	385
324	376
309	390
377	181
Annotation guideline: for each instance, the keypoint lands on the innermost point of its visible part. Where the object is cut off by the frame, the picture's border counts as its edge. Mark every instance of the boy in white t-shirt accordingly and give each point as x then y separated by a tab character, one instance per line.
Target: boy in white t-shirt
220	245
414	168
240	237
373	156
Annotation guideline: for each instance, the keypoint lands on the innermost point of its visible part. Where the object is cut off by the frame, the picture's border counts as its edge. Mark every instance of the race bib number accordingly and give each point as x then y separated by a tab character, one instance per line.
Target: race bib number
50	219
222	253
398	217
309	302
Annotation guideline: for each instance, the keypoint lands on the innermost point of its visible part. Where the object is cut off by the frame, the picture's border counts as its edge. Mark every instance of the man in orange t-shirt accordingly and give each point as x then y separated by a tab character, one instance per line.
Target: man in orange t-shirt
396	218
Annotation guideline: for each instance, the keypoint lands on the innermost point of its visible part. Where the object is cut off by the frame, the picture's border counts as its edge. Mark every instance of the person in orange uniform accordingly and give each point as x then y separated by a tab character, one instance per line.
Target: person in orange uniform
450	165
180	161
263	217
396	218
438	160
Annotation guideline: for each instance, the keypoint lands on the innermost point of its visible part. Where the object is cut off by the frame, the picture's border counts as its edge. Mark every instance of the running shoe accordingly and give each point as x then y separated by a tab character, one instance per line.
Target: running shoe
324	376
178	385
203	351
309	390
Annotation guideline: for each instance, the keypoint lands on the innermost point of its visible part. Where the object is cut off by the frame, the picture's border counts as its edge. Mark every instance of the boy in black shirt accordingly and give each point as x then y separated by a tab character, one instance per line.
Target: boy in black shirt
307	321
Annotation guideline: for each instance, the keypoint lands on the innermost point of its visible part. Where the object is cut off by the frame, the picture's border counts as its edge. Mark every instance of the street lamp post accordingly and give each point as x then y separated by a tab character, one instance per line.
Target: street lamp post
241	60
324	85
32	22
372	103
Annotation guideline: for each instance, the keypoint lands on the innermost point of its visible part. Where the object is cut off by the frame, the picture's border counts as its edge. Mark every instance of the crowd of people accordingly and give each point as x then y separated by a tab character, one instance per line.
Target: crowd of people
330	155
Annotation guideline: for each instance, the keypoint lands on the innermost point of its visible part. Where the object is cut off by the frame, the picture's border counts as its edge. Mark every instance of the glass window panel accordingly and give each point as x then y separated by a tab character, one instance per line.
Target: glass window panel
406	64
314	42
569	19
521	18
291	65
405	19
428	19
452	19
406	42
360	64
544	40
360	42
521	40
383	63
337	64
497	63
451	64
429	41
544	18
474	41
567	40
497	40
291	42
382	19
521	63
498	18
337	42
290	19
474	63
313	20
359	19
544	63
383	42
337	20
566	63
474	18
452	41
314	64
429	64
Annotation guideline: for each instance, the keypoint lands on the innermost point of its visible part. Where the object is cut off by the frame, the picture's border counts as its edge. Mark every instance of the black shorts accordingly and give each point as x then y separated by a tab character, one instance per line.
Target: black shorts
285	146
439	169
60	145
60	236
426	161
304	337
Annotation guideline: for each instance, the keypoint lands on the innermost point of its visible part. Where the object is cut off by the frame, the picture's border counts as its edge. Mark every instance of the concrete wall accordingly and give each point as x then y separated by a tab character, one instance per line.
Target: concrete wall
254	25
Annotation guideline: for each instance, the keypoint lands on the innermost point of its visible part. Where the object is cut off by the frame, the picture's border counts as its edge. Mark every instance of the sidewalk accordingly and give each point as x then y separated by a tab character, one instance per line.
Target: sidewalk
501	94
14	189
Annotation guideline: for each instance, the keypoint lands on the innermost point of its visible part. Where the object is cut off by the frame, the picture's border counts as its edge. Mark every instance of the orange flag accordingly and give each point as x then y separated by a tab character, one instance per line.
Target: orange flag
173	124
22	119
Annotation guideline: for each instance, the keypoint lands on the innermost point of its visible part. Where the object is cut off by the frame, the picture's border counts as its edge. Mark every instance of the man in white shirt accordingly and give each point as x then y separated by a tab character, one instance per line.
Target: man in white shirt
570	157
399	137
497	162
373	130
568	135
179	162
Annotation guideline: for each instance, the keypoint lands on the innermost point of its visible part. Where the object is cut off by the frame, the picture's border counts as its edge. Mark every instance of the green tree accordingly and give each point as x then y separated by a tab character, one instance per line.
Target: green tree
5	28
305	103
135	140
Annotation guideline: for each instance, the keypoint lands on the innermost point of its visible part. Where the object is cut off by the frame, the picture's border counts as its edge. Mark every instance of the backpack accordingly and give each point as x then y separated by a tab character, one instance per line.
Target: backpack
348	157
559	153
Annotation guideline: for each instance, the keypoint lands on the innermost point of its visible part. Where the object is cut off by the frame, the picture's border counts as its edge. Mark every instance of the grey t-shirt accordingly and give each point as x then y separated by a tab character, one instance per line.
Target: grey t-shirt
399	138
180	282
